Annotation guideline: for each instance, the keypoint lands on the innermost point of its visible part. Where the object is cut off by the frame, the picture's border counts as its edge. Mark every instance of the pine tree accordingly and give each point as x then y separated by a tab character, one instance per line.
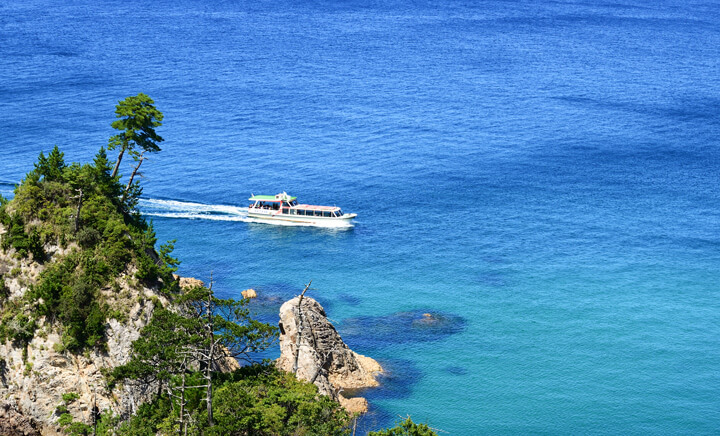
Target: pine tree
51	168
137	121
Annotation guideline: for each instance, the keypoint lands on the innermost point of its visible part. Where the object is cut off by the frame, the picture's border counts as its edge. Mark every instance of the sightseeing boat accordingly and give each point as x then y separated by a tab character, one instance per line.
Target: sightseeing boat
283	208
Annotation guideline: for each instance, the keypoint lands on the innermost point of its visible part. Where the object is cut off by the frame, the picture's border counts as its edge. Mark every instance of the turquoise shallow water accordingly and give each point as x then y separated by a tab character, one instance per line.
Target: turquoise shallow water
542	176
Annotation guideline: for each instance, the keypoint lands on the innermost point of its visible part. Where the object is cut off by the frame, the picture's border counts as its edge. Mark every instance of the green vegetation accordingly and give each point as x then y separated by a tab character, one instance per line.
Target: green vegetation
84	210
137	120
70	397
4	290
255	400
181	349
84	227
406	428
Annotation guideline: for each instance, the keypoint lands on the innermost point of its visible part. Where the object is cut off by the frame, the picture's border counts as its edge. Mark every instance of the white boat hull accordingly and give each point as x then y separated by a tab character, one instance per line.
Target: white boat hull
274	217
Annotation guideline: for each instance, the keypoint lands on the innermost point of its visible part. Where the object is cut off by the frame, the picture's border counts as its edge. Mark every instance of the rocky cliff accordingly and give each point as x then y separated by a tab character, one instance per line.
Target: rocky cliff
33	379
311	348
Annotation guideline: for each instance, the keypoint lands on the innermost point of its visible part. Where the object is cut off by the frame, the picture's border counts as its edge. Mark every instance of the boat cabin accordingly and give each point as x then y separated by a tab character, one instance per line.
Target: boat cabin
288	205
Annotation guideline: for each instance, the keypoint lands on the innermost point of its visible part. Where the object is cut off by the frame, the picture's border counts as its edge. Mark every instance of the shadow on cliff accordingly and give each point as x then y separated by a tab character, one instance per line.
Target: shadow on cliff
369	332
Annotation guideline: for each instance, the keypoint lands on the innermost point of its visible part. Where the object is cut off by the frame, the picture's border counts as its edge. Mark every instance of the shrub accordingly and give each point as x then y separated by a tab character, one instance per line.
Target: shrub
70	397
406	428
88	237
4	290
20	328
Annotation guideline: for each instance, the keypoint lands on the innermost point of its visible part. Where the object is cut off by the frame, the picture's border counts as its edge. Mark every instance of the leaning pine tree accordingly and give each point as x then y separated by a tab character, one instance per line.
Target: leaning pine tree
137	120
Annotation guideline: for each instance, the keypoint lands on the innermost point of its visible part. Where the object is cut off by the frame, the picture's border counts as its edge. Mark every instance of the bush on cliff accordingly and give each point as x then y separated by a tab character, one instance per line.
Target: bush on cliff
406	428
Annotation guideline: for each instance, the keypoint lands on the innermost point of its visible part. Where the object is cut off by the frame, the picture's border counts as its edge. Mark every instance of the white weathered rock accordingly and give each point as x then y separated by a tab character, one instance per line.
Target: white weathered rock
311	348
31	388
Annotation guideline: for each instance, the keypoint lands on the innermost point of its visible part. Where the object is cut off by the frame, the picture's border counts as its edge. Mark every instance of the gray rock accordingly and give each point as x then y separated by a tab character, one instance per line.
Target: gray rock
313	350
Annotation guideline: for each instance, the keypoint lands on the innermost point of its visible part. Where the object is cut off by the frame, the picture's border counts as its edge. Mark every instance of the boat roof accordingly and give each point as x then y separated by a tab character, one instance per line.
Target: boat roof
312	207
276	198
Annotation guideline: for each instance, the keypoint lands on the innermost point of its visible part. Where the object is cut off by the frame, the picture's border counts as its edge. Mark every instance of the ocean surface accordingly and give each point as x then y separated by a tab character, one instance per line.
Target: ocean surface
540	176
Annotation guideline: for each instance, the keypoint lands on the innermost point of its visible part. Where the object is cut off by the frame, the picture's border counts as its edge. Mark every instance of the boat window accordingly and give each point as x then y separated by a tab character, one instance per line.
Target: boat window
293	211
275	206
339	212
300	212
327	214
285	211
318	213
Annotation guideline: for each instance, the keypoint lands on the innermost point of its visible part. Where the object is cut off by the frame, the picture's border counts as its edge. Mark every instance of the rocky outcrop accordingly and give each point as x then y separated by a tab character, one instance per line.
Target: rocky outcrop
33	379
249	293
311	348
14	423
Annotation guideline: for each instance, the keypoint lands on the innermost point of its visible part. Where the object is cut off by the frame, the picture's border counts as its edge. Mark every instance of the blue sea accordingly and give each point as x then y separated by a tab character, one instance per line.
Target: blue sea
539	176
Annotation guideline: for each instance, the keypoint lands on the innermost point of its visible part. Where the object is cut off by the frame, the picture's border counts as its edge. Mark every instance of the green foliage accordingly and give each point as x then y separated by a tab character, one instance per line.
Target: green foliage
271	402
50	168
147	419
72	427
4	290
136	123
108	186
106	424
161	350
70	397
137	120
108	239
254	400
19	328
88	237
234	328
16	237
406	428
157	353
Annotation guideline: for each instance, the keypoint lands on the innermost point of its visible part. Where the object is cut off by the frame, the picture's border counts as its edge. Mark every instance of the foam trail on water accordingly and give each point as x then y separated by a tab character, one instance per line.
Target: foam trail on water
190	210
216	212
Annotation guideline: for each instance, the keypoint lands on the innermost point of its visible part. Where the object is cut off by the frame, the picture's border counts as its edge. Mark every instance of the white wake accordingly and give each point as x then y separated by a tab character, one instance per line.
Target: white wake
217	212
193	211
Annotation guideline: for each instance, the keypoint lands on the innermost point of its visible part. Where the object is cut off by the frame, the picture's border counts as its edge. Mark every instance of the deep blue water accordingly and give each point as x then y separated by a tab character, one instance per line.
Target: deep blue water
541	175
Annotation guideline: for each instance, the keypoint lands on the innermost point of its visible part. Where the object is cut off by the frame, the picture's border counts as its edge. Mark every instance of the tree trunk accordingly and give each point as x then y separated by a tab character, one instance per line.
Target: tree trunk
117	164
182	400
211	352
132	176
300	328
77	212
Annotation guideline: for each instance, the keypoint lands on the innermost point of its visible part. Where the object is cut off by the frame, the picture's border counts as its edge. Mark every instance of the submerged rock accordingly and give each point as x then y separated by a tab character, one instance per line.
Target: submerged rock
401	327
311	348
